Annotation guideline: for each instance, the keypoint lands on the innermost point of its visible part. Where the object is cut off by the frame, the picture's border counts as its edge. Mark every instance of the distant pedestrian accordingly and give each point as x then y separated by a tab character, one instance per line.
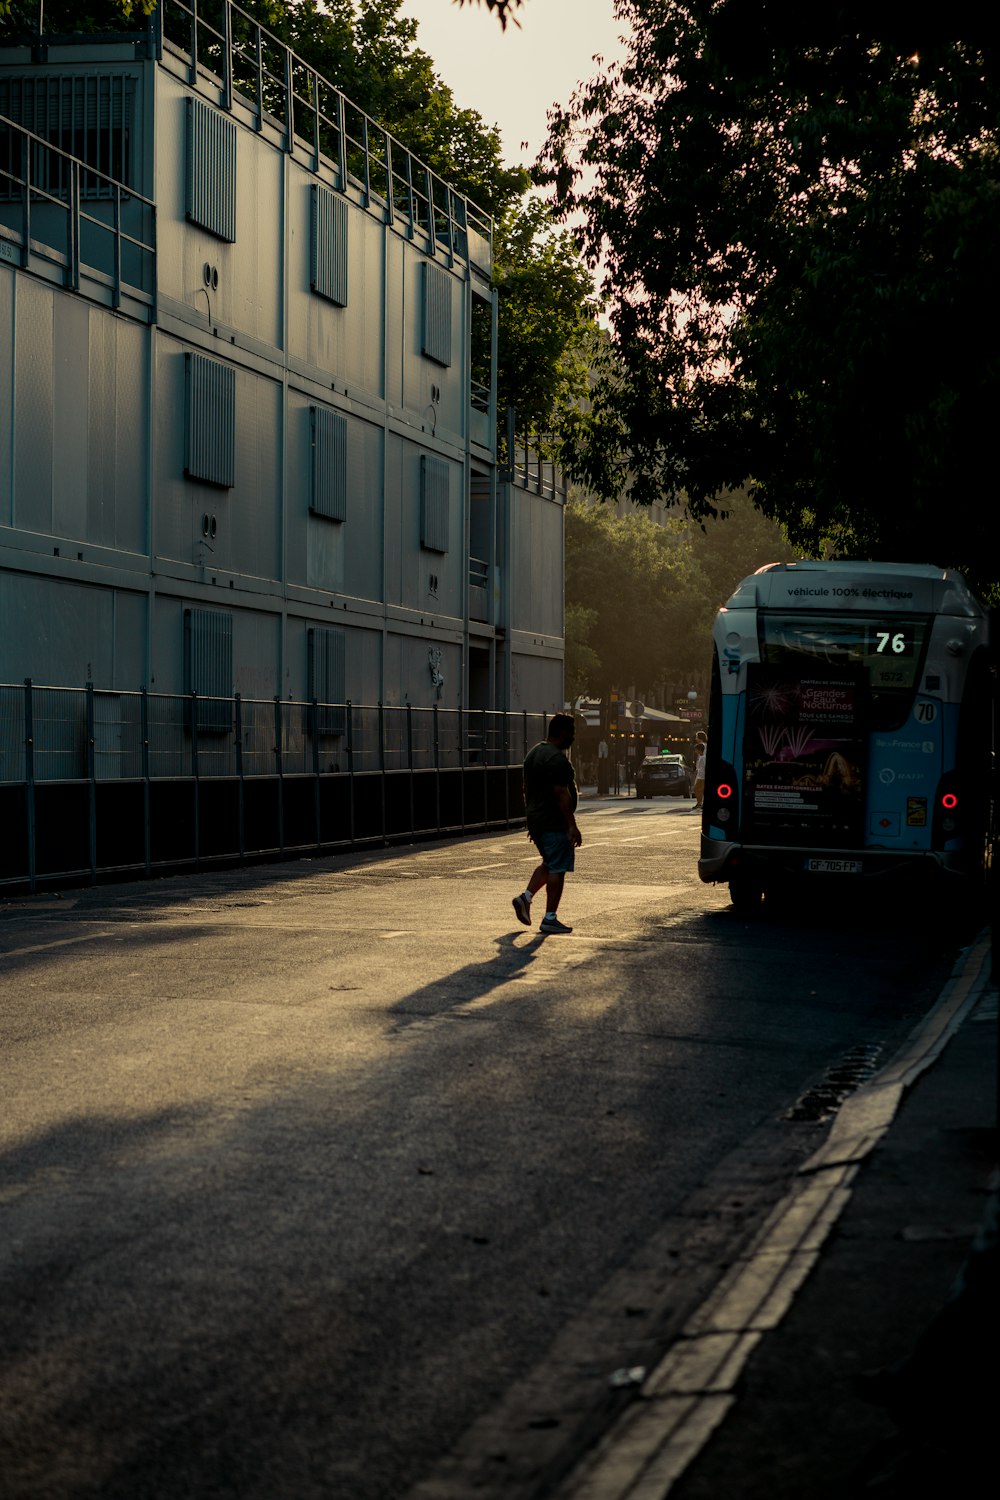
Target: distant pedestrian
699	770
603	768
550	798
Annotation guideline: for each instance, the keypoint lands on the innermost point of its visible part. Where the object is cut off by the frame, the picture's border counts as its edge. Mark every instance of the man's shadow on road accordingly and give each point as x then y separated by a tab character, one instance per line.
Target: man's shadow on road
472	982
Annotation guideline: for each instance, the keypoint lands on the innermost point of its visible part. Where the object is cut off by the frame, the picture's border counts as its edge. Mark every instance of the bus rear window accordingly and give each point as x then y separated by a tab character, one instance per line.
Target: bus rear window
888	648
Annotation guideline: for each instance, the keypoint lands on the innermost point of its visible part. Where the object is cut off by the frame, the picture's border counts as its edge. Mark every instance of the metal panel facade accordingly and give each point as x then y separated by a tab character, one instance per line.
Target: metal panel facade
306	344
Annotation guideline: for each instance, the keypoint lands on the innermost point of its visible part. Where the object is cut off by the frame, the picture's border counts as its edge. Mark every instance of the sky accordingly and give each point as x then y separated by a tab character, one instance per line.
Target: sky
513	77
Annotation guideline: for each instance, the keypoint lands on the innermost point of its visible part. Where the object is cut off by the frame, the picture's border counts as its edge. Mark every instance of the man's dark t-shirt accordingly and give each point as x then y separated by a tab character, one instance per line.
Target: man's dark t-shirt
545	768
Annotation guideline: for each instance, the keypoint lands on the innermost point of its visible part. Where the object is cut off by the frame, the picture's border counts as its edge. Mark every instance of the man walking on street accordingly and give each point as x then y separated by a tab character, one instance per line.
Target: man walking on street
550	799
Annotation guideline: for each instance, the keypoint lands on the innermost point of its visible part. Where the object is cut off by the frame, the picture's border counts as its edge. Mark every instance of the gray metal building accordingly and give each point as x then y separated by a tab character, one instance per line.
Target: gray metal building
243	448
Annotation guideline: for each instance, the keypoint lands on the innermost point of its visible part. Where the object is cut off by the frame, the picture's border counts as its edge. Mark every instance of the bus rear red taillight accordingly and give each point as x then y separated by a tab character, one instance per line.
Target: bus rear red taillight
722	800
947	818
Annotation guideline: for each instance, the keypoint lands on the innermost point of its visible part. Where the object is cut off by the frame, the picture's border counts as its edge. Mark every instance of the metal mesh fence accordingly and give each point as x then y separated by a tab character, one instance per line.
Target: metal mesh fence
76	734
59	734
12	734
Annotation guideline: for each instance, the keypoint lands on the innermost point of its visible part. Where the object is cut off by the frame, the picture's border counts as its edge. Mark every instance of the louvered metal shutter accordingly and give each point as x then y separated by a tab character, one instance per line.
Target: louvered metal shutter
328	678
209	666
88	116
211	421
329	464
329	245
211	170
435	486
437	315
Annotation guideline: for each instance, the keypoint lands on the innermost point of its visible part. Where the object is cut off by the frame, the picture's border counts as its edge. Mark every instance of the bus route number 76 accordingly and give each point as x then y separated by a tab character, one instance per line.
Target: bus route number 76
892	640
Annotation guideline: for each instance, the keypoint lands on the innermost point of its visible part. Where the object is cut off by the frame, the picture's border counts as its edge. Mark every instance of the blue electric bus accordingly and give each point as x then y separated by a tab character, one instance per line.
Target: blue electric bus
850	728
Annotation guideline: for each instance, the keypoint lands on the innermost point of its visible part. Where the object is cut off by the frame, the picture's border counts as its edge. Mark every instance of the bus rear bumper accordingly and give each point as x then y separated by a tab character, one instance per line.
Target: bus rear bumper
720	860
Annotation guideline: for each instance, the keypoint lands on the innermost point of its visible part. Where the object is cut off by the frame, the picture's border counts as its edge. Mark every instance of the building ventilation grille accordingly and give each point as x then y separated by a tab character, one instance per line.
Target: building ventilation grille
329	246
329	464
88	116
328	679
435	486
211	170
211	421
437	315
209	663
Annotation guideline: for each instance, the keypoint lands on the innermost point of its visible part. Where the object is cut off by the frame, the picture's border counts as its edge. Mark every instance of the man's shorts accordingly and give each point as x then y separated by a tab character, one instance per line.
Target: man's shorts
557	851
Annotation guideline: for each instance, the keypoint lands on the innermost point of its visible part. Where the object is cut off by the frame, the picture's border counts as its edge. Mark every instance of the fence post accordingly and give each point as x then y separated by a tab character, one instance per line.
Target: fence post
194	775
409	762
29	778
314	730
146	790
350	768
437	771
279	773
74	226
238	704
461	767
381	763
227	60
486	770
92	785
506	768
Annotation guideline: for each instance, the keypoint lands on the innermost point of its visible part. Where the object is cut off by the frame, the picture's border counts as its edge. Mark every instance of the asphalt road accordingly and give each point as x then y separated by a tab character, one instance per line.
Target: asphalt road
314	1176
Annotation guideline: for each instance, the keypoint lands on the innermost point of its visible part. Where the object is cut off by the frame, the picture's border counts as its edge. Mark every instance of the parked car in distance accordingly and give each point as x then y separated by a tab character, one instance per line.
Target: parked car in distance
663	776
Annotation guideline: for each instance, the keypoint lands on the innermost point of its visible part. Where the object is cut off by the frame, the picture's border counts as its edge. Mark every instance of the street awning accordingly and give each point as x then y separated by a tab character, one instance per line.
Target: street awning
591	716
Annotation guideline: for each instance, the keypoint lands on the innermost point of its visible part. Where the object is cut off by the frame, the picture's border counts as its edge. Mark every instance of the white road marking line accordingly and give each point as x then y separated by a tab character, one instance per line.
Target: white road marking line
83	937
470	869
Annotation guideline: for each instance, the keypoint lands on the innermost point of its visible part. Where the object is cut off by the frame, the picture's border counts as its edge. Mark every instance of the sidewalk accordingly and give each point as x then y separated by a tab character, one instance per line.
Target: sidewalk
832	1362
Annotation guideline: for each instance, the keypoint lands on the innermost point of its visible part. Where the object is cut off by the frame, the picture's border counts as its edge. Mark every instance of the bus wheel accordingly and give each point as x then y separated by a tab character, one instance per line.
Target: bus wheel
746	894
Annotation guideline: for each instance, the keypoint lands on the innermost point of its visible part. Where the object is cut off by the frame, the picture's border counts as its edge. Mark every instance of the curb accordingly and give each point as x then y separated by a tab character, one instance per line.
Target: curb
689	1393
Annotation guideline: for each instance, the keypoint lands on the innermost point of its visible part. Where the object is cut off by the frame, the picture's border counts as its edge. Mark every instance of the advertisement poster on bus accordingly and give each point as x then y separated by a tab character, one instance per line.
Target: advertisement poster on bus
804	754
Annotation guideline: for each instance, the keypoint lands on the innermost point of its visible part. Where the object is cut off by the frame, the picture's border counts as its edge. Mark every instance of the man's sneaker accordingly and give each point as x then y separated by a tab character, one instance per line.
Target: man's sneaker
553	924
522	909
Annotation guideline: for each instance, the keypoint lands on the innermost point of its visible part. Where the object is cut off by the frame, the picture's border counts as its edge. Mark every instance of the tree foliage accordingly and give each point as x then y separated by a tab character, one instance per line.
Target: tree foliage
504	10
370	52
545	318
582	671
641	598
734	543
647	593
62	17
797	208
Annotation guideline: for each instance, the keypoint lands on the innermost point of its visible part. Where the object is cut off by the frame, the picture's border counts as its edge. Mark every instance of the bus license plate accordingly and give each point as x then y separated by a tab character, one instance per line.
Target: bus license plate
835	866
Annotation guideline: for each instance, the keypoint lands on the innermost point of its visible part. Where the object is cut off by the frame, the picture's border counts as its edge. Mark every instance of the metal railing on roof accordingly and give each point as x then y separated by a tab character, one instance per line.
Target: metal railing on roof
281	89
97	234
